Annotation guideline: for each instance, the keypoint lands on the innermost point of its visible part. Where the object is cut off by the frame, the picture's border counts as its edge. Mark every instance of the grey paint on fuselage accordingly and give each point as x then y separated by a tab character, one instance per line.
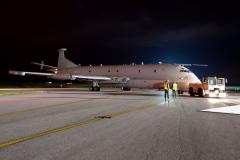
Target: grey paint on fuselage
133	76
141	76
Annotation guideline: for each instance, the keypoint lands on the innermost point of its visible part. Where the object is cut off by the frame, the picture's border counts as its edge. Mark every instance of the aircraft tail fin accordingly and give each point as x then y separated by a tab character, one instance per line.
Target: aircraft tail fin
64	62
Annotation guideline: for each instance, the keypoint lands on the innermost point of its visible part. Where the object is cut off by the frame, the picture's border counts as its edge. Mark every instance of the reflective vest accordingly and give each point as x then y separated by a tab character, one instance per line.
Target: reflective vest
166	86
174	86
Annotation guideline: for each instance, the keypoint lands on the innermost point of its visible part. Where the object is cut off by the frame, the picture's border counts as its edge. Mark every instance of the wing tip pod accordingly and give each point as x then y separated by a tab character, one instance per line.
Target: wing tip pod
19	73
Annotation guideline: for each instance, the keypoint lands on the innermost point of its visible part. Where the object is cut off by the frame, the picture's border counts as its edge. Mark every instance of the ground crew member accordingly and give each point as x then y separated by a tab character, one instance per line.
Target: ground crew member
166	90
174	89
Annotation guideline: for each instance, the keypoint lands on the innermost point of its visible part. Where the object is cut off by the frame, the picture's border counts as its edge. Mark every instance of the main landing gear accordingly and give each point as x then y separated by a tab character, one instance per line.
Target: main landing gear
126	89
95	87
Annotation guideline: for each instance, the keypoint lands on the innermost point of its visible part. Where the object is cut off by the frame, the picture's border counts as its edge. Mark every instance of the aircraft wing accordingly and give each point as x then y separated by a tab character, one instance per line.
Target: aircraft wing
23	73
97	78
67	76
101	78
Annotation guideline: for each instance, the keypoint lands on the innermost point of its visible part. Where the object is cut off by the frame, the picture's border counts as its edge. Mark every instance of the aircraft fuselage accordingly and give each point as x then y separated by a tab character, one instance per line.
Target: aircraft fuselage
140	76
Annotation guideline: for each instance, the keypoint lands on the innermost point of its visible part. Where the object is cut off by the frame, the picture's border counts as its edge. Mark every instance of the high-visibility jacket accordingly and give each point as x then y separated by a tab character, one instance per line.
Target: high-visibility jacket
174	86
166	86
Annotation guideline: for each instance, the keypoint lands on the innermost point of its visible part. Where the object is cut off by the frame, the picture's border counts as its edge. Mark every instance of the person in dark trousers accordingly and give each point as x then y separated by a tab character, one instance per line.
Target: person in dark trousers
174	89
166	90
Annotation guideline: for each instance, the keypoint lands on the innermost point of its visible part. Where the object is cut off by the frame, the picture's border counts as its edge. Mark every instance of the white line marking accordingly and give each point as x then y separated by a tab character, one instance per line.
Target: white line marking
228	109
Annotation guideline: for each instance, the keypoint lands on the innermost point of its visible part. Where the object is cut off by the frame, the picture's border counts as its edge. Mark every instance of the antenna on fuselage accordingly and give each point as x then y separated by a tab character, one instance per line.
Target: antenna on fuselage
198	65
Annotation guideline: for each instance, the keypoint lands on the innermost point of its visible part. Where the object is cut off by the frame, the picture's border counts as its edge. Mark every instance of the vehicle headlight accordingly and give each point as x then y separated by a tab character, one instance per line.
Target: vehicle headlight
216	91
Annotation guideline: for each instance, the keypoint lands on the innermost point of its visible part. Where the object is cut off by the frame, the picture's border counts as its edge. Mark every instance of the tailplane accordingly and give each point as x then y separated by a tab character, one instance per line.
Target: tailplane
64	62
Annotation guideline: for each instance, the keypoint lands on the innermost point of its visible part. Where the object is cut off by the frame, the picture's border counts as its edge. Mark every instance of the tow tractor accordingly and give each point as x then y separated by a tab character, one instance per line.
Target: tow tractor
210	87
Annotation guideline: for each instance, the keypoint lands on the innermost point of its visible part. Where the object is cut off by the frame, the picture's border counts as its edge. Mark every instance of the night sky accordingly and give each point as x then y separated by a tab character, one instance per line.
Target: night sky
122	32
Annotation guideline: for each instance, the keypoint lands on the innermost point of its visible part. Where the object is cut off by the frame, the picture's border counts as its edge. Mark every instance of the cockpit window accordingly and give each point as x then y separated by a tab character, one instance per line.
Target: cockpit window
185	70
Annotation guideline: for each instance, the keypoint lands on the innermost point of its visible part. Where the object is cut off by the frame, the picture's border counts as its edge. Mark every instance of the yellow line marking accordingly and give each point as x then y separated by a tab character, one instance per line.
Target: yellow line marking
45	107
130	110
93	120
20	93
11	142
39	108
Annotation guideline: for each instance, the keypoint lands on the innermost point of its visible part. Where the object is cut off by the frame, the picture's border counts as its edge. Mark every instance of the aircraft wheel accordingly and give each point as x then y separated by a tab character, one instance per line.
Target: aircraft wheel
180	92
200	92
191	92
126	88
97	88
94	88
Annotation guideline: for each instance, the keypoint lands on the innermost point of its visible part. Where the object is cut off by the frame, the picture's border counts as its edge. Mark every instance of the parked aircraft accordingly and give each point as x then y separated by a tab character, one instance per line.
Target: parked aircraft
149	76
